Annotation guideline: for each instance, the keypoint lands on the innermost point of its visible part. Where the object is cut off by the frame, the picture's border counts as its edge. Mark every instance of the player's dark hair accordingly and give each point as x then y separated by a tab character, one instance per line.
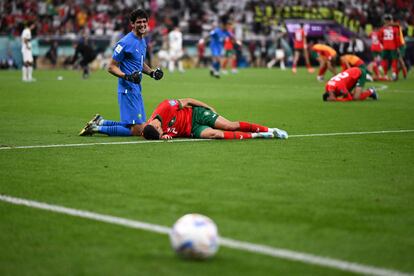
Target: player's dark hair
138	13
325	96
150	133
224	19
388	17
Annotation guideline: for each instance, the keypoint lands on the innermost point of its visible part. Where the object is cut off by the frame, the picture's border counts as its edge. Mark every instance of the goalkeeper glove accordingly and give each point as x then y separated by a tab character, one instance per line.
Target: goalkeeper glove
157	74
135	77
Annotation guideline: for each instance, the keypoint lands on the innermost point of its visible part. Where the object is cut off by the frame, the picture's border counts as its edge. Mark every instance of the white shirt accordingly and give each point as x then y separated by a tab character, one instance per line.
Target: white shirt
175	40
26	34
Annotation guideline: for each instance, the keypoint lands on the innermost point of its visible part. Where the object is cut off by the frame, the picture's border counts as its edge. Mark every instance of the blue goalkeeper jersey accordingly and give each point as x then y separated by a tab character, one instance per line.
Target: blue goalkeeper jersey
130	52
217	37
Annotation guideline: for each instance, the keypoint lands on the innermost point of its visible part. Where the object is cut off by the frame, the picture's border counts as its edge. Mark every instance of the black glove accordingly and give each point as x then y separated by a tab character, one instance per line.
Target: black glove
135	77
157	74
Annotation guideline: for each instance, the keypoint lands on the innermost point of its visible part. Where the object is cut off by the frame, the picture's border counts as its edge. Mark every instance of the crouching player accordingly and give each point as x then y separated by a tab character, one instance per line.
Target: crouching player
348	86
193	118
326	56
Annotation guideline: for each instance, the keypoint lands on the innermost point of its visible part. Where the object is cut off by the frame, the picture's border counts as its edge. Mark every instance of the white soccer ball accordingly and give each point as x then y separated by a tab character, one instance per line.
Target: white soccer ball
194	236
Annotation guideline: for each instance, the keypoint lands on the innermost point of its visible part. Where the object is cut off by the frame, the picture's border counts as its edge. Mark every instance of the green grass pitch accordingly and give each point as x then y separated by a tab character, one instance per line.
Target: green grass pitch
347	197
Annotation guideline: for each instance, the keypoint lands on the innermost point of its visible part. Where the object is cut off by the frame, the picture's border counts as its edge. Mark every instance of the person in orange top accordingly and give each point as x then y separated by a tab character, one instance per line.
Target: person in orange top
347	86
326	56
348	61
300	45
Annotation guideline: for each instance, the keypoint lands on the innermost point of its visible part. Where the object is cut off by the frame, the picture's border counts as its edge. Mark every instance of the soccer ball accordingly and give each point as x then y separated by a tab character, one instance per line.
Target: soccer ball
194	236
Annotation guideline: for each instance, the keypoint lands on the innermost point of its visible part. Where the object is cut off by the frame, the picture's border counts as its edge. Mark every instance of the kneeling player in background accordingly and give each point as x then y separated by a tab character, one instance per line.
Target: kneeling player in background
348	86
193	118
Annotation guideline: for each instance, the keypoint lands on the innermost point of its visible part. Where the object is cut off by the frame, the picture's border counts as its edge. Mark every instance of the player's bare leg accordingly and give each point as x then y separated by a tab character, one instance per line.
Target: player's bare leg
295	61
308	64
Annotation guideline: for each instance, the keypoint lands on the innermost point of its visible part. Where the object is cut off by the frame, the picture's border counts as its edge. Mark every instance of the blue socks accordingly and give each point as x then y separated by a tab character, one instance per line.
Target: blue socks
115	130
113	123
216	66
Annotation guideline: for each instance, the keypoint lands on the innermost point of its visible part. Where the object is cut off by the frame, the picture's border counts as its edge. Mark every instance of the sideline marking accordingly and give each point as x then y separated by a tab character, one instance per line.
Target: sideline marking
197	140
235	244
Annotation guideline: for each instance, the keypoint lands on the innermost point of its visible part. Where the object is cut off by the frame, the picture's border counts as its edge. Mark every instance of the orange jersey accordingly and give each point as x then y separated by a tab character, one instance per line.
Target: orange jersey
402	40
299	39
390	37
324	50
352	60
376	45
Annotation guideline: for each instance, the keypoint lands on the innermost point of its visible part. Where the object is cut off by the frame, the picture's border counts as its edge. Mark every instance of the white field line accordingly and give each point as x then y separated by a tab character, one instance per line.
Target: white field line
230	243
196	140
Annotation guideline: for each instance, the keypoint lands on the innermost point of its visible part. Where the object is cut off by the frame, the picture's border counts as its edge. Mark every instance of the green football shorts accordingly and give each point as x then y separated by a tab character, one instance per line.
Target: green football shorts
363	78
389	54
202	118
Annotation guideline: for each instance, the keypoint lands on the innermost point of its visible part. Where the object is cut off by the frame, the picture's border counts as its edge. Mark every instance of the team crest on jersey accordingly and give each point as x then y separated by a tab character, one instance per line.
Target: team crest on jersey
172	102
118	48
171	123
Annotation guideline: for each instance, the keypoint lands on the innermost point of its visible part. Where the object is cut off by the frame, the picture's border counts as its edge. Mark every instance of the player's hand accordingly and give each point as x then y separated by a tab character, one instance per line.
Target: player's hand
166	137
157	74
135	77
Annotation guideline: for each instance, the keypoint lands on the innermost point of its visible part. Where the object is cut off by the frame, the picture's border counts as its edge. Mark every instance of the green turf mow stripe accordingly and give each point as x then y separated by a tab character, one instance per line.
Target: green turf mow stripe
5	147
240	245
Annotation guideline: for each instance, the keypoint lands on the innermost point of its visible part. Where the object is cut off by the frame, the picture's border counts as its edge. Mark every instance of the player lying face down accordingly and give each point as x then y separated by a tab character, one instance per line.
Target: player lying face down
192	118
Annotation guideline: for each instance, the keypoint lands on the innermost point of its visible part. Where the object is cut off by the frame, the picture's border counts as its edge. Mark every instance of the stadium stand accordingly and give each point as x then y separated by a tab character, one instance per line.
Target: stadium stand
105	21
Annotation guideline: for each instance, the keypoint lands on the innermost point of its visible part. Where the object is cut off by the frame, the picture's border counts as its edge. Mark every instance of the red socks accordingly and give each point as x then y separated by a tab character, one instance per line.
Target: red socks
394	65
249	127
237	135
376	71
322	70
365	94
384	64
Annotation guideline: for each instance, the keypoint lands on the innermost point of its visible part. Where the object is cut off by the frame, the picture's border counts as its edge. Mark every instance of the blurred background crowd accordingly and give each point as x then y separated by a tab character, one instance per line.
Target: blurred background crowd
60	23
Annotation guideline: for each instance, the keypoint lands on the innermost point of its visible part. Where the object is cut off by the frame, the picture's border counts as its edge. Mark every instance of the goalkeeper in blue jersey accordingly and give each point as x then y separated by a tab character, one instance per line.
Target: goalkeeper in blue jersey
216	38
128	65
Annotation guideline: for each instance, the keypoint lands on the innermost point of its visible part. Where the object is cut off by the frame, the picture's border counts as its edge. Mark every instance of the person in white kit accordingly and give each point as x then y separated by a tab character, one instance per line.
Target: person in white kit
27	68
175	43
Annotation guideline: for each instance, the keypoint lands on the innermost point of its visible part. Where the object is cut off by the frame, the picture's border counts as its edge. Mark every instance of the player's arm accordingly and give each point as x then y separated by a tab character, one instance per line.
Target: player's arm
114	69
189	102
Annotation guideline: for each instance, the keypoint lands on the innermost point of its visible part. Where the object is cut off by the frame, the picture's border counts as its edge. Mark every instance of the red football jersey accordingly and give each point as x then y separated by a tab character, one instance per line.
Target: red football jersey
376	45
343	82
389	37
175	120
299	39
